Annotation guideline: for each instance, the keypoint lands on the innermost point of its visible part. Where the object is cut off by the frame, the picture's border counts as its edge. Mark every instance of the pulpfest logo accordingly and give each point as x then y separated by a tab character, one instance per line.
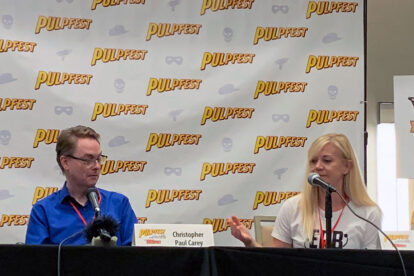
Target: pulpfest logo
329	116
166	196
15	162
267	198
59	78
22	220
220	169
152	235
42	192
13	220
16	104
326	62
171	29
47	136
268	88
277	142
110	54
112	166
221	225
111	3
164	140
112	109
224	113
13	45
222	59
219	5
275	33
162	85
53	23
328	7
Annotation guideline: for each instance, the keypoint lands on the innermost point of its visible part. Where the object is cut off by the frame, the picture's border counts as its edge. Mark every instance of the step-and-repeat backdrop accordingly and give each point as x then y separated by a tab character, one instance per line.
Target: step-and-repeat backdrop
206	108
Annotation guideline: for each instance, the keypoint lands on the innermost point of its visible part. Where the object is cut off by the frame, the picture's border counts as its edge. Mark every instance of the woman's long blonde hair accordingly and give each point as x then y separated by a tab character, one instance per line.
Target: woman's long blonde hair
354	186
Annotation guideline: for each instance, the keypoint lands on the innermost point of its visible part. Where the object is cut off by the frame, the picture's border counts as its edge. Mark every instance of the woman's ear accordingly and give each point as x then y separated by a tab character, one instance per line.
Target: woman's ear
348	166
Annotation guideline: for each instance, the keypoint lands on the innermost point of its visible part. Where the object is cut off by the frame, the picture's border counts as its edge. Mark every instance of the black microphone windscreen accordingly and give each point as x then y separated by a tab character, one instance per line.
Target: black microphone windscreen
102	222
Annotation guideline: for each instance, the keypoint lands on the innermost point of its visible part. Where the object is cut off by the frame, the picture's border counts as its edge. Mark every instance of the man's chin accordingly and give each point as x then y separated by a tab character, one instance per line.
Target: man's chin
93	179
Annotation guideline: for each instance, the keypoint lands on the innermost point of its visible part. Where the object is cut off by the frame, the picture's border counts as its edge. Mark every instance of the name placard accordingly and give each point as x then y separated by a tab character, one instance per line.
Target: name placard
403	240
180	235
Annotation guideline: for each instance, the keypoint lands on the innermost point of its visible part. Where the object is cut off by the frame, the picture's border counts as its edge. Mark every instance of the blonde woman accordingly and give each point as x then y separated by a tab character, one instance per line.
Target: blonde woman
301	219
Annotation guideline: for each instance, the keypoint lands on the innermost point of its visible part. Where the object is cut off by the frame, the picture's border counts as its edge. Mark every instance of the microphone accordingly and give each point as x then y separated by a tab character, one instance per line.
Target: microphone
315	180
93	198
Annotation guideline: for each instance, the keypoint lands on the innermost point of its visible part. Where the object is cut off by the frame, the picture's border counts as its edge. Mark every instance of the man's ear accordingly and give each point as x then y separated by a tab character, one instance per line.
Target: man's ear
64	162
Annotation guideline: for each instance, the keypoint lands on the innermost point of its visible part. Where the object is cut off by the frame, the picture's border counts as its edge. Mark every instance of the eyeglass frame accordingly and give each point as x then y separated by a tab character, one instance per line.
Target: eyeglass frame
89	162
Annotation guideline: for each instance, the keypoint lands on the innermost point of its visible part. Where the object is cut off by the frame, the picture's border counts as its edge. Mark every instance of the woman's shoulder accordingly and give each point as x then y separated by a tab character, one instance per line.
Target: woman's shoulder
367	211
292	202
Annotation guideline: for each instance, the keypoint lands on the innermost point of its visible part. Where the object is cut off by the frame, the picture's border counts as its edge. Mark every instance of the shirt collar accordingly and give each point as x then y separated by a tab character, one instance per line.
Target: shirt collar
64	193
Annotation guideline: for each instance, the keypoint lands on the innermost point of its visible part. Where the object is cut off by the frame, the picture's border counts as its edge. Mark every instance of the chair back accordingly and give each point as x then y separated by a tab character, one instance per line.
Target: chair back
263	227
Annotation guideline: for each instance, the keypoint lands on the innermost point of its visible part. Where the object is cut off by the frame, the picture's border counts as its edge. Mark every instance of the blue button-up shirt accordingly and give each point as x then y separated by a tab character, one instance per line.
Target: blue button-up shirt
53	218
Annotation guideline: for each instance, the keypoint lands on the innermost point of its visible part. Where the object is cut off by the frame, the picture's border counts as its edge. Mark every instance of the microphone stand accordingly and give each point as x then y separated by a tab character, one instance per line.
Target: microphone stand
328	217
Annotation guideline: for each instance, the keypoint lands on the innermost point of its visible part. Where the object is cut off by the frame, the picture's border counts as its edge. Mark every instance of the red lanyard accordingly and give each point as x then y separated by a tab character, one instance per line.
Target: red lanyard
321	235
77	211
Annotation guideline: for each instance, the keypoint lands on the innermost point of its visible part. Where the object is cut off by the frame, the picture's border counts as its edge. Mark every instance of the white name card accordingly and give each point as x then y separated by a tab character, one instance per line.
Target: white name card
180	235
403	240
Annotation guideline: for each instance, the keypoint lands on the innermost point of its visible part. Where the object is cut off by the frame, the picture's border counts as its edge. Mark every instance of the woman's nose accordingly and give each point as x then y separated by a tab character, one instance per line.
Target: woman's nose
318	165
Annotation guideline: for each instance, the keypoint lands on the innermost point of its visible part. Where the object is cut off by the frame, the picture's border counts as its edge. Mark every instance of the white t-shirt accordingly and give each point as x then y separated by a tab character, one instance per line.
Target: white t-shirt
350	233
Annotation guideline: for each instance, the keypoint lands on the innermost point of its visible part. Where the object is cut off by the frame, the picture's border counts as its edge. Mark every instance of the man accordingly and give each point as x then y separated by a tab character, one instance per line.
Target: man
68	210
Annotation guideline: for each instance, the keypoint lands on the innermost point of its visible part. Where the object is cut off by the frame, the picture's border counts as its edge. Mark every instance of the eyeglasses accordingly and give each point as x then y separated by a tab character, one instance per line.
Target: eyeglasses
90	162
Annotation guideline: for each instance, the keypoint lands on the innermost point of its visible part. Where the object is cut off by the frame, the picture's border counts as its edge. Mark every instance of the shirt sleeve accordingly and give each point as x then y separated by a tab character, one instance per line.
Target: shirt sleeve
282	229
37	228
127	225
371	237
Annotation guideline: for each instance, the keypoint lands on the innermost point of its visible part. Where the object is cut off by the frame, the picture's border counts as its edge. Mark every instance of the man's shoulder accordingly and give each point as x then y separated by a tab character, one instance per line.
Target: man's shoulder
112	195
50	199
